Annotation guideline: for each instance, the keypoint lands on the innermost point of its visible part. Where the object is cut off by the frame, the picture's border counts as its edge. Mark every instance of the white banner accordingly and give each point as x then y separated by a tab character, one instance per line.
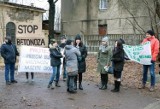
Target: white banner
34	59
140	53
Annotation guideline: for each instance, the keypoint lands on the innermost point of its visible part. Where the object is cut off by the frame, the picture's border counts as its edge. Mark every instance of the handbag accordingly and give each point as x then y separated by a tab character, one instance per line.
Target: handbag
109	69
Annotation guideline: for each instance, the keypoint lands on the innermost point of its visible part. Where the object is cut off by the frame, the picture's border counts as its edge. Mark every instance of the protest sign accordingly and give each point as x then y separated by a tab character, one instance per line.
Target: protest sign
34	59
139	53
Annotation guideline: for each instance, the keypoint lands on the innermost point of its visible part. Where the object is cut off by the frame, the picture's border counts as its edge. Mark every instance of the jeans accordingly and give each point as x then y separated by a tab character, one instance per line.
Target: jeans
64	72
70	82
152	73
9	68
55	74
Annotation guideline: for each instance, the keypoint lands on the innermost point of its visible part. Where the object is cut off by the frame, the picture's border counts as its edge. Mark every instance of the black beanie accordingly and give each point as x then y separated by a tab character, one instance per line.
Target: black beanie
69	41
150	32
78	37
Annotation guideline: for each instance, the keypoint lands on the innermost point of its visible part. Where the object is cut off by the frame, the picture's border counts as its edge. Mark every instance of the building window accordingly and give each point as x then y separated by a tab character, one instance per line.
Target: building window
11	31
103	4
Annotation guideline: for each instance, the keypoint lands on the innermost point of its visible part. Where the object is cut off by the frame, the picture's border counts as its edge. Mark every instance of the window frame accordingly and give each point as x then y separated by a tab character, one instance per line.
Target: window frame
102	5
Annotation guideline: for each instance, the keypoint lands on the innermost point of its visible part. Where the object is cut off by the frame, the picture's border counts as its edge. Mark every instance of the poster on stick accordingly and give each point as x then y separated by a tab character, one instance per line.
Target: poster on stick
139	53
34	59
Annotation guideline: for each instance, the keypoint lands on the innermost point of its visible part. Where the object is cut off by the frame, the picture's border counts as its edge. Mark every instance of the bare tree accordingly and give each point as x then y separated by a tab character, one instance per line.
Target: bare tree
51	18
153	9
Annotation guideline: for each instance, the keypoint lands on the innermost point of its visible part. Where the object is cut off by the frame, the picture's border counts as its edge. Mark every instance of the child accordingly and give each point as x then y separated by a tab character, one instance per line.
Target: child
32	76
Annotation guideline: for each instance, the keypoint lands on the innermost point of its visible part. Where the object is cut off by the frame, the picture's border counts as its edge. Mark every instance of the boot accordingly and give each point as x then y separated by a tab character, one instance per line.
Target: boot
80	86
102	82
117	86
101	85
49	85
115	82
57	84
75	83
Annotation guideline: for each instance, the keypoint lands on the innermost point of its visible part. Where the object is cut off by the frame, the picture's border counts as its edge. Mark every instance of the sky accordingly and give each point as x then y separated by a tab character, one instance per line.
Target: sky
39	3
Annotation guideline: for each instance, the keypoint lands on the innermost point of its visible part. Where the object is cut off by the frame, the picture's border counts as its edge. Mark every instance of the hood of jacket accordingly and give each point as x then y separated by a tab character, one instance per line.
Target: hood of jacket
68	47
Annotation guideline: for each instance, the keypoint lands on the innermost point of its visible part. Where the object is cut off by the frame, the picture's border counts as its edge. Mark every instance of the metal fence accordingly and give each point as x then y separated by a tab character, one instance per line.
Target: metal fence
93	41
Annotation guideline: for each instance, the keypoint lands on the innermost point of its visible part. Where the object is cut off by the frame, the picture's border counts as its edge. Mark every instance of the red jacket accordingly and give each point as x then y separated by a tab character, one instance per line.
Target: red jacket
154	46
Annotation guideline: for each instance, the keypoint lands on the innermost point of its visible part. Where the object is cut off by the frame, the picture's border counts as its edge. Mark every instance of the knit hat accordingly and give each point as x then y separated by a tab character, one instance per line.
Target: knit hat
105	39
150	32
78	37
69	41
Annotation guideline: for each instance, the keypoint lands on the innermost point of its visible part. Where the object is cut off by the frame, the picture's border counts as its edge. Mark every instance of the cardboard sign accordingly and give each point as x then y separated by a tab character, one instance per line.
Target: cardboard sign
34	59
140	53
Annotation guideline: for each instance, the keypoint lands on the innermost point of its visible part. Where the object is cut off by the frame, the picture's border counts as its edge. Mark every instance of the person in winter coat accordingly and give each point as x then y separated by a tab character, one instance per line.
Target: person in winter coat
154	52
81	60
104	59
118	63
71	54
55	56
9	53
62	46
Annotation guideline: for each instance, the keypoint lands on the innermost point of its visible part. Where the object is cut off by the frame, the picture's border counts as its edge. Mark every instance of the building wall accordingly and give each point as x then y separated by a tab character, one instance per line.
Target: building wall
85	16
28	24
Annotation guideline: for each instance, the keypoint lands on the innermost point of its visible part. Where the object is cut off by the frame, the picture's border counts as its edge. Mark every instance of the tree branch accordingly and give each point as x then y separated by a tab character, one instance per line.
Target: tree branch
56	1
132	16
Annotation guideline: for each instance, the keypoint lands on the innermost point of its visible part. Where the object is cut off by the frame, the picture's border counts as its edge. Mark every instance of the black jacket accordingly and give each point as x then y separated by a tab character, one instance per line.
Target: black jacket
118	59
55	56
82	61
9	53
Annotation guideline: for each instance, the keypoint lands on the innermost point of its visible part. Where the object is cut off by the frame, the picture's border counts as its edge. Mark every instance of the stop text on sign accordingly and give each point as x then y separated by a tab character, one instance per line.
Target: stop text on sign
27	29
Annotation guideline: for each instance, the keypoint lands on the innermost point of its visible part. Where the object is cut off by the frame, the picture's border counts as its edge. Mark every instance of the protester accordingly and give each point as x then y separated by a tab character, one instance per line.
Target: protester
62	46
9	53
154	52
104	59
118	63
81	60
32	76
55	56
71	54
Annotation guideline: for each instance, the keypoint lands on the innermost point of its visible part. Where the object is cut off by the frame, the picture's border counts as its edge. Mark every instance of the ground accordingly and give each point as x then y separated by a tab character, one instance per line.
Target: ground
36	95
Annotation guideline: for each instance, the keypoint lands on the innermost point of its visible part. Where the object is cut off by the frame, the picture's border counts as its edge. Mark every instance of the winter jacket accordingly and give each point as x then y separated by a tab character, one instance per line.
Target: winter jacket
55	56
9	53
62	46
118	59
82	59
104	58
71	54
154	46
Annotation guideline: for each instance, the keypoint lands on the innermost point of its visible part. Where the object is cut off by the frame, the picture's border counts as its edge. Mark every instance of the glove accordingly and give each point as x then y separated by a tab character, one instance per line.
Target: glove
152	61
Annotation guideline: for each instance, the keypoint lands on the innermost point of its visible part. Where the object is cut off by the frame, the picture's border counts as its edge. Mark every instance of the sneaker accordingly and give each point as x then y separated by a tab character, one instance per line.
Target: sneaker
57	84
151	89
52	86
49	85
8	83
14	81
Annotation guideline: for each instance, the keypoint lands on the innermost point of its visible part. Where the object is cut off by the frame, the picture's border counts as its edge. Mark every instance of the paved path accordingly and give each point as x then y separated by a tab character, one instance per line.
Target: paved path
36	96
